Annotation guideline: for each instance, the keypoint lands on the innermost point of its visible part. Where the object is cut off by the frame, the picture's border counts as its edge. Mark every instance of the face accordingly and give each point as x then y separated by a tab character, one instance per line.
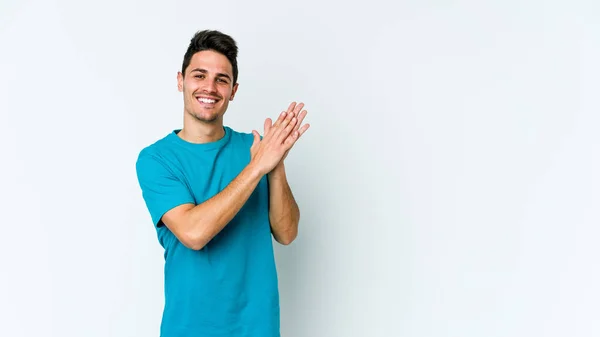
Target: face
207	86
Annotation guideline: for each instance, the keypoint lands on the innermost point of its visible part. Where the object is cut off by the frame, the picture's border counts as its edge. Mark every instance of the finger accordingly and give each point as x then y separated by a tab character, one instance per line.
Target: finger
268	125
295	135
291	107
291	140
303	130
287	128
280	119
300	119
302	115
284	124
298	133
256	139
298	108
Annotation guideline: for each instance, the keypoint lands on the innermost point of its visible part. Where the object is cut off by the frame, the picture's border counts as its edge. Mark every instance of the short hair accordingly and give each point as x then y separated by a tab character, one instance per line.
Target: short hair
216	41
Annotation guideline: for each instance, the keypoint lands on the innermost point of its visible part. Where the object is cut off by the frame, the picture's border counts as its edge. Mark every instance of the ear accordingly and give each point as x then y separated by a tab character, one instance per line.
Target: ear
234	90
179	81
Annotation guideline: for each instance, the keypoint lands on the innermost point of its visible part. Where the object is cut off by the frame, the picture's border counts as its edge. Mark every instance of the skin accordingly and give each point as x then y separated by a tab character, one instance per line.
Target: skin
210	75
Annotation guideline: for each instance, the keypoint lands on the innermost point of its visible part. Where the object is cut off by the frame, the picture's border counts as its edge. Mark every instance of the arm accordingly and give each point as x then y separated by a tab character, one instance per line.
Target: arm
196	225
284	214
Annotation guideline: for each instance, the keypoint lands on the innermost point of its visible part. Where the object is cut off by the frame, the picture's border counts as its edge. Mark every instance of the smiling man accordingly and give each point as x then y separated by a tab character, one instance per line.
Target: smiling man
217	198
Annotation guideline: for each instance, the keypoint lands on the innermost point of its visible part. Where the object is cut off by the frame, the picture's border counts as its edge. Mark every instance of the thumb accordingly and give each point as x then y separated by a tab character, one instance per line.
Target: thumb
256	139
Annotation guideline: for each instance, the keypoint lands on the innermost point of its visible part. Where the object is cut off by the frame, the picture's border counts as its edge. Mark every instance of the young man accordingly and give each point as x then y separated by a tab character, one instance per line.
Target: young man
217	197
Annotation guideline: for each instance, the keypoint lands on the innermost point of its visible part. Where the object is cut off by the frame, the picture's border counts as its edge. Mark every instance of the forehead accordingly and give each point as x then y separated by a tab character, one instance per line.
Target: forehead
211	61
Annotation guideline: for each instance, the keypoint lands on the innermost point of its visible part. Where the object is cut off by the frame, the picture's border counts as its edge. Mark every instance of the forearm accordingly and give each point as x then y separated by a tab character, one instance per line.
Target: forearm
207	219
284	214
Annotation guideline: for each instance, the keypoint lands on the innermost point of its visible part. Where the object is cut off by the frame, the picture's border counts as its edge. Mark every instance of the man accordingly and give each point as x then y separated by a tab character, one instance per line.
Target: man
217	197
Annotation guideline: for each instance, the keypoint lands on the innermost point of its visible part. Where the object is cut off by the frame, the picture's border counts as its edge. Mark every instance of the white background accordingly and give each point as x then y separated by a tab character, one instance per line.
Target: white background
448	184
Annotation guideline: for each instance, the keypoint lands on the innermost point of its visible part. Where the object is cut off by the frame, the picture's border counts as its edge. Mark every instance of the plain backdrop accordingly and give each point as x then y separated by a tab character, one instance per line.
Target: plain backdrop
448	183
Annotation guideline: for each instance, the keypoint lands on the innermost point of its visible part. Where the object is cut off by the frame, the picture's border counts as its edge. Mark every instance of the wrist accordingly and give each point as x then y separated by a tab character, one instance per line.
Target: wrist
278	171
254	171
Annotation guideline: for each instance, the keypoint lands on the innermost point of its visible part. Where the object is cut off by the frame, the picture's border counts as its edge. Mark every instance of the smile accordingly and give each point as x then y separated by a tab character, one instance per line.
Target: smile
206	100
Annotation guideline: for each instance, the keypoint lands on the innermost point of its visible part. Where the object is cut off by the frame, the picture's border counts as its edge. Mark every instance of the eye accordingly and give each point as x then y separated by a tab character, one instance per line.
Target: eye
199	76
222	80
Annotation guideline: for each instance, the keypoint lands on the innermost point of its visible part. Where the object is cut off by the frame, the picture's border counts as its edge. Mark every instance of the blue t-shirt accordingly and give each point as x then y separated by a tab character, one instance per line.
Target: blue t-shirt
229	287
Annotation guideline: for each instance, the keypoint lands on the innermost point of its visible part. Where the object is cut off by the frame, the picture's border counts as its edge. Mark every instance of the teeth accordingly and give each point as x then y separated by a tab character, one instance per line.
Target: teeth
206	100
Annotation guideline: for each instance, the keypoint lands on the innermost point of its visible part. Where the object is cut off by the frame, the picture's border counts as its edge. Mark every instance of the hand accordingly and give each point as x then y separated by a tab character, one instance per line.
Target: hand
278	139
298	129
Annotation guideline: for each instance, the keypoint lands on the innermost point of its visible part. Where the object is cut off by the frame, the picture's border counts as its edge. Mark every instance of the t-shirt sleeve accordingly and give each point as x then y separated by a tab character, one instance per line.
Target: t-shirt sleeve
161	189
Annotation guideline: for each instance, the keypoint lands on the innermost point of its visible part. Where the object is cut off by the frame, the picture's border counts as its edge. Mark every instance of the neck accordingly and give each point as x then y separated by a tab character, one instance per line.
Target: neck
198	132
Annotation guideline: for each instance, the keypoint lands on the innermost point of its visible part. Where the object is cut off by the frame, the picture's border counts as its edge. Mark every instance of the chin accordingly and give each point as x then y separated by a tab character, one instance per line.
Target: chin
206	117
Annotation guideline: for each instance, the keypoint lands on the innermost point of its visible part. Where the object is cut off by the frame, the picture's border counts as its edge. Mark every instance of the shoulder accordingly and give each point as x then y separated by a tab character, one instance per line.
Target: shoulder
153	154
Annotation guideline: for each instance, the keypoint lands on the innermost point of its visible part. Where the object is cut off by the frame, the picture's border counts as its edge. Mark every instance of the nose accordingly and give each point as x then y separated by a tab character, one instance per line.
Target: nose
209	85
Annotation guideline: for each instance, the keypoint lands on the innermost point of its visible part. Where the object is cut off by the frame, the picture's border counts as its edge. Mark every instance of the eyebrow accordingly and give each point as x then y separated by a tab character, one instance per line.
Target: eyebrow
204	71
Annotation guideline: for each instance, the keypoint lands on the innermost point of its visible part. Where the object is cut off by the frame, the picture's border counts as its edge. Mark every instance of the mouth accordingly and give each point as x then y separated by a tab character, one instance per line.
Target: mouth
207	101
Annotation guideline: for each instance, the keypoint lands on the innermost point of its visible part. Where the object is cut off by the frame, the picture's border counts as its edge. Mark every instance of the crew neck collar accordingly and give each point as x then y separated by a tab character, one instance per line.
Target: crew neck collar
173	136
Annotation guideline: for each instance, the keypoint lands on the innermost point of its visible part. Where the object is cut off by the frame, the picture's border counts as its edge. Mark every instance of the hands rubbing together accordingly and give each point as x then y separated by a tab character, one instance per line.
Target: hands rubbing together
278	139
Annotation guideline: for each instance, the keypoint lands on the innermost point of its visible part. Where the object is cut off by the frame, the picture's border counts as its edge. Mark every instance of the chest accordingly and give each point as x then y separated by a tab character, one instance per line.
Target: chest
209	172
